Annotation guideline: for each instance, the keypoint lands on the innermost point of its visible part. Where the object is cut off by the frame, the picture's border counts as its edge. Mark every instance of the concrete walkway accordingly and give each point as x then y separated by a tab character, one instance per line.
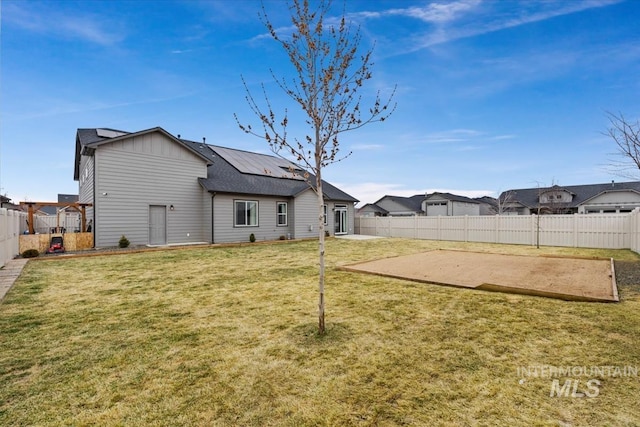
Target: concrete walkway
358	237
9	273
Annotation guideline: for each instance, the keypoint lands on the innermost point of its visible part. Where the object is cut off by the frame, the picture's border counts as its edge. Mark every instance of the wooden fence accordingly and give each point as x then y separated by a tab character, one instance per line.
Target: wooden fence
606	231
12	223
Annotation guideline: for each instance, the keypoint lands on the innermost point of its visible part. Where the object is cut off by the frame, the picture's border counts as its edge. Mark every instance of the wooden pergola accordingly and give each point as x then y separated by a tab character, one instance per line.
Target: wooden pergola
80	207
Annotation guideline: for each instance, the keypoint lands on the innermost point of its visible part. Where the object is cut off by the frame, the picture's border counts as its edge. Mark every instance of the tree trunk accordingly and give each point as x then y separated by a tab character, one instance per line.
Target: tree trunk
321	328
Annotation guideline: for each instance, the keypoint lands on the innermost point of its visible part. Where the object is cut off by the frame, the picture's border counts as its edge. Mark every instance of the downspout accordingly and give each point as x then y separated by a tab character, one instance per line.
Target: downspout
95	206
212	222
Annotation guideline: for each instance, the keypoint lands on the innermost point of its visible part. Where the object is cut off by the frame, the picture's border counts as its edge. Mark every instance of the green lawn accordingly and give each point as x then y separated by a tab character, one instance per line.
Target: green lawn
226	336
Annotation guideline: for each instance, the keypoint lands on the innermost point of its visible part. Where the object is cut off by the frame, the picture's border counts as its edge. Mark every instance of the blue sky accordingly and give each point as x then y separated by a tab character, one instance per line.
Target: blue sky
491	95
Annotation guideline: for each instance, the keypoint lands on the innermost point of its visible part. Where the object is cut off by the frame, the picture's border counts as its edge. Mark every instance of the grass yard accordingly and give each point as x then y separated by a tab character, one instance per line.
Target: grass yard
226	336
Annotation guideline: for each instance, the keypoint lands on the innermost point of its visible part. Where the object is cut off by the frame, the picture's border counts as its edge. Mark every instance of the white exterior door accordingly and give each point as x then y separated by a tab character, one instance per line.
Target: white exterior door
157	225
340	220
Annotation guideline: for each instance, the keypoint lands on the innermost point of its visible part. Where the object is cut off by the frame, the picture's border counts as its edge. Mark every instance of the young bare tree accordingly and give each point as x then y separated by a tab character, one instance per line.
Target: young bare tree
329	72
504	202
626	135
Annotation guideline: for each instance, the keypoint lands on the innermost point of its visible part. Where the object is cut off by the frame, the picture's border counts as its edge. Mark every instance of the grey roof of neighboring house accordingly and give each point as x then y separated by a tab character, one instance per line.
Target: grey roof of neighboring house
529	196
413	203
62	198
488	200
453	197
372	207
224	177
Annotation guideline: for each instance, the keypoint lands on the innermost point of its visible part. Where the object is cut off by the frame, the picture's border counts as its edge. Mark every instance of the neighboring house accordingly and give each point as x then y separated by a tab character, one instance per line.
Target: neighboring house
399	206
447	204
488	205
157	189
371	210
613	197
5	202
62	198
434	204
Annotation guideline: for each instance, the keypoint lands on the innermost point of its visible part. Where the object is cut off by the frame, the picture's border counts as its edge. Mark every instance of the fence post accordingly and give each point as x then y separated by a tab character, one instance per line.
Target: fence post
533	230
466	228
575	230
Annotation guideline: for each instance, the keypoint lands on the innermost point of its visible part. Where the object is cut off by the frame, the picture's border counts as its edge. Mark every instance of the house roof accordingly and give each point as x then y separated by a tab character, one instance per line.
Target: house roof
581	193
88	139
452	197
243	172
229	170
372	207
488	200
413	203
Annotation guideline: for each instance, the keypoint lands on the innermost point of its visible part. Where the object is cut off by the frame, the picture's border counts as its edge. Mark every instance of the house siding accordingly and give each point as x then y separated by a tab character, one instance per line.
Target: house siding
267	229
446	207
394	208
145	170
306	215
86	185
611	201
463	208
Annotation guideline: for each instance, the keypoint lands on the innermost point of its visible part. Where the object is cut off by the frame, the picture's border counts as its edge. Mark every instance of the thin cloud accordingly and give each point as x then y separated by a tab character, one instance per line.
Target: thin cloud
63	107
469	18
87	27
452	136
437	13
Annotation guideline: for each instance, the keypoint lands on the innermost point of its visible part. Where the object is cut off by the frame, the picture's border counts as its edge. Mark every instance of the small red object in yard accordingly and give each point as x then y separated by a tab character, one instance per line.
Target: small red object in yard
56	245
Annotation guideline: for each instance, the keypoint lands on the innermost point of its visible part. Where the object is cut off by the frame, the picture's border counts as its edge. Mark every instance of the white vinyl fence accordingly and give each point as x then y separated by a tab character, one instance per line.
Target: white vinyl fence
69	221
606	231
12	223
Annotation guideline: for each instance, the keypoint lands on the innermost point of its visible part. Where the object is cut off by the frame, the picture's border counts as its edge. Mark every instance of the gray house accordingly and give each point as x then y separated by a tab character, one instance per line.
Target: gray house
447	204
613	197
434	204
397	206
158	189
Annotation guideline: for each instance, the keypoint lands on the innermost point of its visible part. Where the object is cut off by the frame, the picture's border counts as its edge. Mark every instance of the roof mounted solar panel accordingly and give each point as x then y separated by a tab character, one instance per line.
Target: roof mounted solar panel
260	164
108	133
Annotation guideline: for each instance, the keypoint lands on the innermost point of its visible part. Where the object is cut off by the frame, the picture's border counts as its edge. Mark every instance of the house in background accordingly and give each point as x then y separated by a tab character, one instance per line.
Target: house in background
158	189
371	210
447	204
5	202
398	205
434	204
62	198
488	205
613	197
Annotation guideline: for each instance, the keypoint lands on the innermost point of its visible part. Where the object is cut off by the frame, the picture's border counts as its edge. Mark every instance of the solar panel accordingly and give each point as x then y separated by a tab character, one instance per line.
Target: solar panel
108	133
259	164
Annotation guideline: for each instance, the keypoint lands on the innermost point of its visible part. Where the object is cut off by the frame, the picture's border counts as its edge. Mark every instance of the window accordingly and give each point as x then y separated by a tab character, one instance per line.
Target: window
324	208
246	213
281	213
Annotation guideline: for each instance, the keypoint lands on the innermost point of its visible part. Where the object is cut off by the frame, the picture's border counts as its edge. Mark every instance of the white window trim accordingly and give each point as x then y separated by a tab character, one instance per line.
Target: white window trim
279	214
235	218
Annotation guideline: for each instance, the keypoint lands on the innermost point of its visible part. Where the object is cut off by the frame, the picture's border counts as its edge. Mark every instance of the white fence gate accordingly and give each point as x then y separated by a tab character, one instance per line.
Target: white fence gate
606	231
12	223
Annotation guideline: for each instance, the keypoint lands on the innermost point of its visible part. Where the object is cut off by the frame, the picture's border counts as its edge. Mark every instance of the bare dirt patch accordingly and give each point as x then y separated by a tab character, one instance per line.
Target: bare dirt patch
557	277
